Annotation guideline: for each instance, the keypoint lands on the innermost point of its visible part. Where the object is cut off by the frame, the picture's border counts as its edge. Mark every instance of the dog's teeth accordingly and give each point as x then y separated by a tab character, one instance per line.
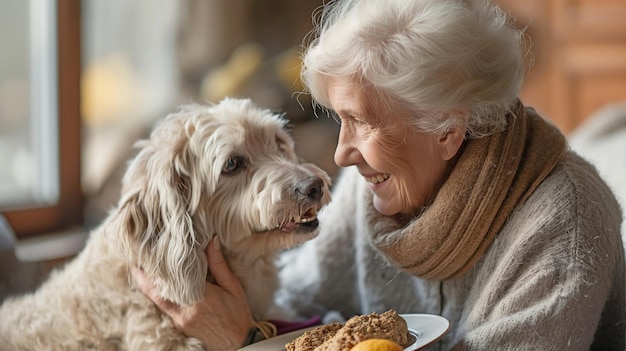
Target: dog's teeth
306	220
307	217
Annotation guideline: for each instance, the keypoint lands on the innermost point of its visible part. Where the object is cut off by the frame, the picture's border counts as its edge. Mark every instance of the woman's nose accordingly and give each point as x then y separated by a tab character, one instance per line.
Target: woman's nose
346	153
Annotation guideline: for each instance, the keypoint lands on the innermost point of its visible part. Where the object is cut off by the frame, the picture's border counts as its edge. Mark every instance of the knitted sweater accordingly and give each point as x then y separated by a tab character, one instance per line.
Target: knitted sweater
553	279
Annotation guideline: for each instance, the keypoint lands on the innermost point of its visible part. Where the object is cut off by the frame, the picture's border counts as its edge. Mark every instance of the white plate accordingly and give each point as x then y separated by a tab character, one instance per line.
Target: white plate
426	328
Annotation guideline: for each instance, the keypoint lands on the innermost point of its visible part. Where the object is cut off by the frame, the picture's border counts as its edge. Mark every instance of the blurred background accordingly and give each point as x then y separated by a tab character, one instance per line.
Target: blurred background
81	81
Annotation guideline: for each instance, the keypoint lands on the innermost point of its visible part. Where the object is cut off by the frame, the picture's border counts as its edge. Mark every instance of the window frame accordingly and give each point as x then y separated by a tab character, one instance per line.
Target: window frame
68	210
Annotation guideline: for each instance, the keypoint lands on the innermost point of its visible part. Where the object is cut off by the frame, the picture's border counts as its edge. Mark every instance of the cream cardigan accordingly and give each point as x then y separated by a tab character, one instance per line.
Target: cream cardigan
553	279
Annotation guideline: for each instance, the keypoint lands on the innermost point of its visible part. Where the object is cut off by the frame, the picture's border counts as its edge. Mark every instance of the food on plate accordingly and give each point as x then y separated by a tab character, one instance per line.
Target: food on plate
314	337
377	345
335	337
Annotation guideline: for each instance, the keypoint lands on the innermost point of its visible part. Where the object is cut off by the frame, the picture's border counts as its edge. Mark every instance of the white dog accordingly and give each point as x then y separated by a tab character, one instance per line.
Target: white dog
227	170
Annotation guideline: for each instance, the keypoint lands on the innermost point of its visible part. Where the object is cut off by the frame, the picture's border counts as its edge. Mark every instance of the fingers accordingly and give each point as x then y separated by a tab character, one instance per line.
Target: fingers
149	290
218	266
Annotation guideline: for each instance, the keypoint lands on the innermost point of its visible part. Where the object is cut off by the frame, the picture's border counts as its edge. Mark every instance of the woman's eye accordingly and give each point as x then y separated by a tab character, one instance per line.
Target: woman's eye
233	164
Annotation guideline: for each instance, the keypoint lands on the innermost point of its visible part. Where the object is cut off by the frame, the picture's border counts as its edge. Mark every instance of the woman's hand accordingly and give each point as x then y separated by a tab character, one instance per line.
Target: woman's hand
221	320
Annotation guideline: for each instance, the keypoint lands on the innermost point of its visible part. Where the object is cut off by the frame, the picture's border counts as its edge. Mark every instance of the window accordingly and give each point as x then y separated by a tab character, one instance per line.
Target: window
40	187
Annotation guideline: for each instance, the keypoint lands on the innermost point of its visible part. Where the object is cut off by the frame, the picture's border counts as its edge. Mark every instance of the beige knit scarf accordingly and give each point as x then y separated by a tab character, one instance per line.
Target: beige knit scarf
492	176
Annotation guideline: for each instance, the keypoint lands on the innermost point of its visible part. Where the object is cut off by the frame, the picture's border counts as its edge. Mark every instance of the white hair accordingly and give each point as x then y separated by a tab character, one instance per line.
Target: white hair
428	56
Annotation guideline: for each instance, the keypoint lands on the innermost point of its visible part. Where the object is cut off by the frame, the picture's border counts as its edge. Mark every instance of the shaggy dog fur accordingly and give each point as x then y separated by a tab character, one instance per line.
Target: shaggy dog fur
227	170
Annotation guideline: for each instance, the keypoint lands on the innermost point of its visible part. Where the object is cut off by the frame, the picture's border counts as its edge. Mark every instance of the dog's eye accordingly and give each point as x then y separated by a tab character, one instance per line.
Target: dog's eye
233	164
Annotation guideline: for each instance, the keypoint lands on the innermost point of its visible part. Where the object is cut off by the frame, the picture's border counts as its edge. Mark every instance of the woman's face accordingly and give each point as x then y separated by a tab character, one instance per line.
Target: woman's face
404	168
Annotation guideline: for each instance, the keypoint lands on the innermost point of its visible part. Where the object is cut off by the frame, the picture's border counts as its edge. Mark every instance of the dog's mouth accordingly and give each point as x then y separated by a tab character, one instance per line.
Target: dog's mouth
307	222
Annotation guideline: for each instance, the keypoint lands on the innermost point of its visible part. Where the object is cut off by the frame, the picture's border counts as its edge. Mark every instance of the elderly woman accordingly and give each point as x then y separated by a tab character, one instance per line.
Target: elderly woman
456	199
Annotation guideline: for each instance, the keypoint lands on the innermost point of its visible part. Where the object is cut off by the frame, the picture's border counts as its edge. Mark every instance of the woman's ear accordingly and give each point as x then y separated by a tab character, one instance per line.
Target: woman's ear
450	142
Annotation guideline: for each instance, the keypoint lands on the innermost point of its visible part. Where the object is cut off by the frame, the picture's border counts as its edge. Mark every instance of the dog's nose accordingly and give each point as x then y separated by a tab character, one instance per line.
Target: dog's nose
312	188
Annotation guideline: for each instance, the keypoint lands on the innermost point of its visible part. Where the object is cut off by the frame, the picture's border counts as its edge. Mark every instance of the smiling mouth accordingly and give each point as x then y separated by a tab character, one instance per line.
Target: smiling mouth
379	178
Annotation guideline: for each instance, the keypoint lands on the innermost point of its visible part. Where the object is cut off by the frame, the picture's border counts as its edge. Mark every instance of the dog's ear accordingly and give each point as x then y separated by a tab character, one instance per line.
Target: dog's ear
155	222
